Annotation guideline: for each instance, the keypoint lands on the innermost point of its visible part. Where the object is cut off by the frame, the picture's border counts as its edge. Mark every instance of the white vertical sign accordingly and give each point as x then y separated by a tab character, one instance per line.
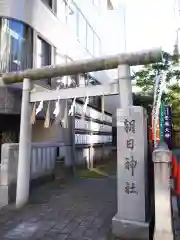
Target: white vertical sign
132	157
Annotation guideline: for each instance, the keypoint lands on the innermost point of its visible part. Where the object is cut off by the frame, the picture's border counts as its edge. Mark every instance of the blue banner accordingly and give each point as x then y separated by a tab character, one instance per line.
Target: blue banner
168	126
161	122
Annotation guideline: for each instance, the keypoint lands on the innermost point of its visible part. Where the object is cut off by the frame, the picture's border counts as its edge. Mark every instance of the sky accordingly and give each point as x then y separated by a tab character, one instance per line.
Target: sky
149	23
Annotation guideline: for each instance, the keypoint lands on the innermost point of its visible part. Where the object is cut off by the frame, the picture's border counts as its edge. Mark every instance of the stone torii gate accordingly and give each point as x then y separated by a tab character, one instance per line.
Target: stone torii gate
132	218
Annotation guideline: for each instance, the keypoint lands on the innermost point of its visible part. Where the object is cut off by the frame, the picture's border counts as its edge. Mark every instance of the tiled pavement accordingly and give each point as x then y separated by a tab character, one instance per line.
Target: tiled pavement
81	210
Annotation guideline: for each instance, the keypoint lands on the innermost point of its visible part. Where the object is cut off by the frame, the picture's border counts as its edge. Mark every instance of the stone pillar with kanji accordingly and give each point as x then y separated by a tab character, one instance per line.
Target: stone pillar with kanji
132	218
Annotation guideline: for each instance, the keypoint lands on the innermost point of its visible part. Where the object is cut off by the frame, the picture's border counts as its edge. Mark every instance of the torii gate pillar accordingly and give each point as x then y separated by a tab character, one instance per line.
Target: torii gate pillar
125	86
131	221
24	161
125	90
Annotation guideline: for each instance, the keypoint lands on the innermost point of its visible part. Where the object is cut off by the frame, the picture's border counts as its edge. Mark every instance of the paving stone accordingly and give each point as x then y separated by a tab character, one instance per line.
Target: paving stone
52	233
45	238
78	219
80	238
98	222
70	227
91	233
68	217
102	238
22	231
82	210
86	223
62	237
47	225
78	232
61	225
35	219
40	234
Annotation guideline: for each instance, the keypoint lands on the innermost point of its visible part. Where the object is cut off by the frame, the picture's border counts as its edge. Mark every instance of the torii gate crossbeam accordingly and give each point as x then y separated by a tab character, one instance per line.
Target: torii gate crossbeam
78	92
84	66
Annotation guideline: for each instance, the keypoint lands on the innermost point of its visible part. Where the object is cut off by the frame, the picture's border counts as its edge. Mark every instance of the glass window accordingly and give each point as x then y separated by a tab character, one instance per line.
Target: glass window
43	53
96	3
96	46
82	29
15	46
90	40
43	56
61	10
69	60
64	81
82	81
48	3
60	58
72	19
70	79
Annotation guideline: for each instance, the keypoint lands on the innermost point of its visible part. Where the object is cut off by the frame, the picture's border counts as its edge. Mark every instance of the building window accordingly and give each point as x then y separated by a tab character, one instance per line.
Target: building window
16	46
64	81
96	3
82	29
43	56
90	40
97	46
61	10
48	3
60	59
81	80
43	53
79	25
109	5
96	100
73	18
71	81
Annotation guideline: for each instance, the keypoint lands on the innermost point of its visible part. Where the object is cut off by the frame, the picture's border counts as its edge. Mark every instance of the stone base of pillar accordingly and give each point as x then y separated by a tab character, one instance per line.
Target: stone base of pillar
129	230
158	235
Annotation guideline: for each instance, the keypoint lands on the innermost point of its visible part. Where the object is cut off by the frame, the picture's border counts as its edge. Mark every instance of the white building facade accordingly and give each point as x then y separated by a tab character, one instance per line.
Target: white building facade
36	33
